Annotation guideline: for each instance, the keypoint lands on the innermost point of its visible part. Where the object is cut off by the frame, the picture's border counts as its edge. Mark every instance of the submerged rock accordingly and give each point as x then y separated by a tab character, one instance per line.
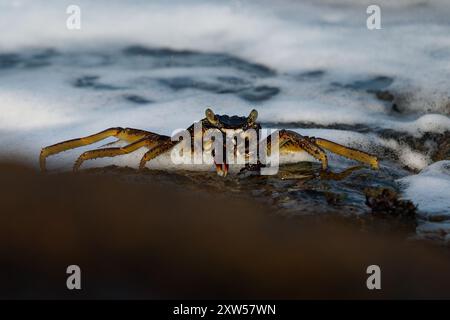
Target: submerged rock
386	203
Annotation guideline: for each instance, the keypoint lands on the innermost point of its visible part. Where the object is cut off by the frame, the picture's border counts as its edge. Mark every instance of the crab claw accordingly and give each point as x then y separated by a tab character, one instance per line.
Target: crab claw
222	169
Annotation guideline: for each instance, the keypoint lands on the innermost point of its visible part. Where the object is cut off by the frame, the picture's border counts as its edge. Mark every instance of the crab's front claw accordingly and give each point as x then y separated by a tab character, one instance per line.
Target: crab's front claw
222	169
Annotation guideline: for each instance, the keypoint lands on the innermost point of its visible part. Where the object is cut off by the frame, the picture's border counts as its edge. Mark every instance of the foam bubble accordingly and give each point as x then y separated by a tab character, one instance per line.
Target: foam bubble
430	188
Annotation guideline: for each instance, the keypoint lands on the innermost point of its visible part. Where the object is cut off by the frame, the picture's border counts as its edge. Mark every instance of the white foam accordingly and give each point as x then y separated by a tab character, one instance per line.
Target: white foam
21	110
290	37
430	189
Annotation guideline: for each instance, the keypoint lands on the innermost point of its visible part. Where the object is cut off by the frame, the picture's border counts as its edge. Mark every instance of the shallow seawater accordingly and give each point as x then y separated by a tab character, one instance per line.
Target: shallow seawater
309	66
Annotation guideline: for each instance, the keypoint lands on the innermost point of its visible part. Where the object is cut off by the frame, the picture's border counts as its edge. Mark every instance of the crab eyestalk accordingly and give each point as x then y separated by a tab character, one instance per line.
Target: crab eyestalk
211	117
252	116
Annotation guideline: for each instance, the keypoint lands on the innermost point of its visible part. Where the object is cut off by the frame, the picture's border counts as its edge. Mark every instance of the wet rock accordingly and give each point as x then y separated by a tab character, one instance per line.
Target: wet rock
180	83
376	85
442	147
439	232
93	83
373	84
228	86
155	52
435	145
386	203
187	58
260	93
27	60
136	99
235	81
385	95
395	108
9	60
310	75
333	198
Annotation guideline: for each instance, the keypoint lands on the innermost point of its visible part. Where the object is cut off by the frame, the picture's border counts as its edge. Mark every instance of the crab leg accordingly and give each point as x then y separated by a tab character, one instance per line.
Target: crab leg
128	134
291	141
347	152
148	142
157	150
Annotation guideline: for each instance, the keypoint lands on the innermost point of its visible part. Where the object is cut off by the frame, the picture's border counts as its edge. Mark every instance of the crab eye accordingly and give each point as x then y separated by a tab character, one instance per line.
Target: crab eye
211	117
252	116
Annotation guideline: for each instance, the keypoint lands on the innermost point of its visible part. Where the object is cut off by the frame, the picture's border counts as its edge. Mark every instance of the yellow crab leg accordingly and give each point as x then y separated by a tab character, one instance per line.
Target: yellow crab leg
156	151
112	152
127	134
291	141
347	152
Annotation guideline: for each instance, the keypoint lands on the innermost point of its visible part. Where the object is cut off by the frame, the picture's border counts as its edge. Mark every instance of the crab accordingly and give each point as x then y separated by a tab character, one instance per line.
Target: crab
289	142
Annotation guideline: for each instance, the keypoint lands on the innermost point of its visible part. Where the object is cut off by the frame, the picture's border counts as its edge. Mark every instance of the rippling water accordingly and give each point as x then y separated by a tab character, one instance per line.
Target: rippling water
311	66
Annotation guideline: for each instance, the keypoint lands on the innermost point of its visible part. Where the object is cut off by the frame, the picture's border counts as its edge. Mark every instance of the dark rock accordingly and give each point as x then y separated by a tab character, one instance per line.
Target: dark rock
260	93
32	59
235	81
386	203
137	99
384	95
436	145
373	84
186	58
308	75
180	83
93	83
235	86
9	60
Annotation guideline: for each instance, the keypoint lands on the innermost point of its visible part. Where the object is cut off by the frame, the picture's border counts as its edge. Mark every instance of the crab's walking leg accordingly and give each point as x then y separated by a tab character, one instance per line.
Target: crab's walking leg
347	152
156	151
127	134
291	141
148	142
